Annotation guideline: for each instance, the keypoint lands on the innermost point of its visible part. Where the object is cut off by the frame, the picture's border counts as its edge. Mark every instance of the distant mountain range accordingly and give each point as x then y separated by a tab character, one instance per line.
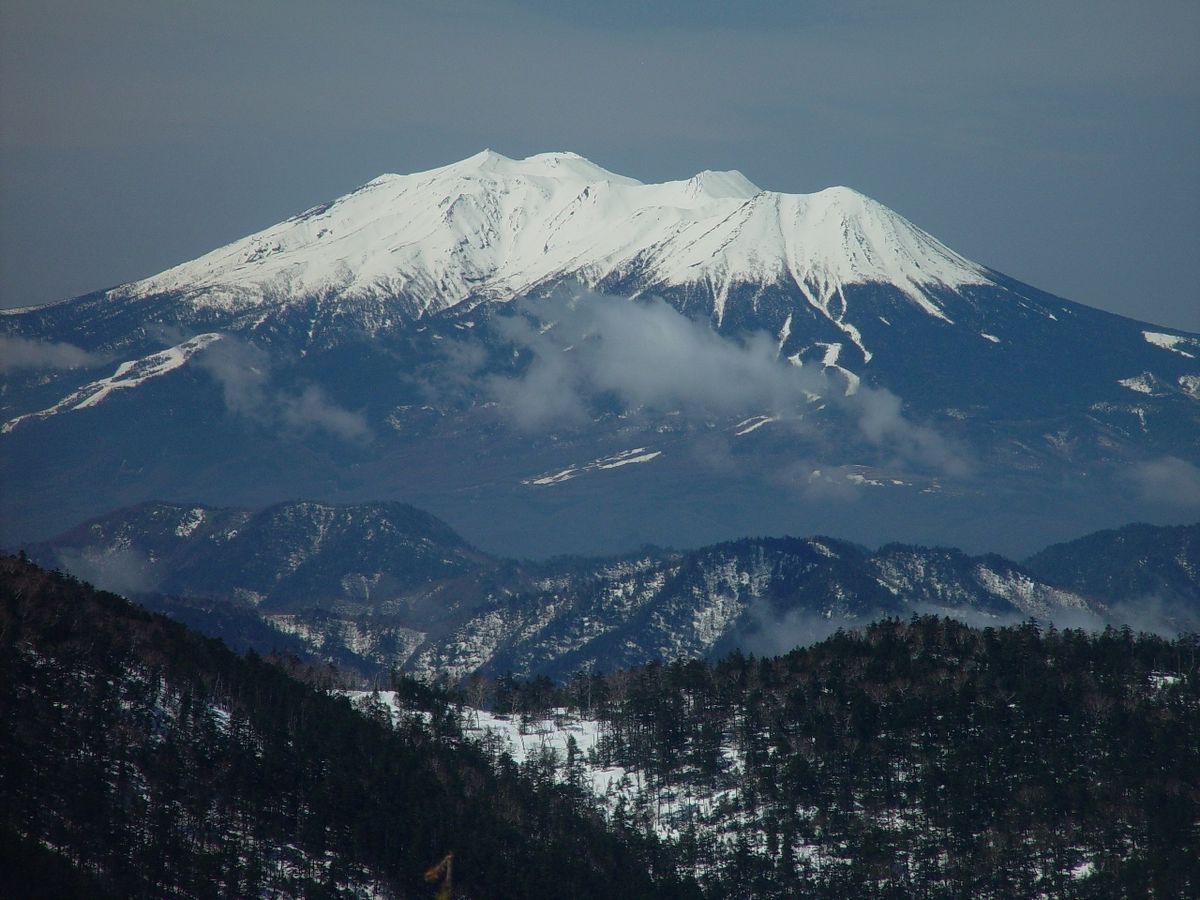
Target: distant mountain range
383	586
788	364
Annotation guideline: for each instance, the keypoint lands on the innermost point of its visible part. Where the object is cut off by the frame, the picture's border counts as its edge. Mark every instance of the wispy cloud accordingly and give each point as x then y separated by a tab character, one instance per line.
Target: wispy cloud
312	409
1168	481
244	372
20	353
771	633
122	570
881	420
590	352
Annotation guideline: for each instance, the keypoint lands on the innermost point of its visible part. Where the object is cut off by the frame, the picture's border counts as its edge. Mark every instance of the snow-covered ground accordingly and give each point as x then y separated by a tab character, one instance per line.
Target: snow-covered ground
713	812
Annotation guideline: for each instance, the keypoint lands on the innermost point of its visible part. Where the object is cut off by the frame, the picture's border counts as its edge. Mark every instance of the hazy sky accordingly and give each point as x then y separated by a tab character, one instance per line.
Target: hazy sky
1057	142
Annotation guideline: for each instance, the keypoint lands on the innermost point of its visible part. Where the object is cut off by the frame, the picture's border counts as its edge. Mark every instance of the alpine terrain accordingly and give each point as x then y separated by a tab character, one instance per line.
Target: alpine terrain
382	587
556	358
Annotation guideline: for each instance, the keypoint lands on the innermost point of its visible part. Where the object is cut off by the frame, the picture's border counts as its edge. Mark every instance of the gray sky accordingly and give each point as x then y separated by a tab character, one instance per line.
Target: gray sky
1056	142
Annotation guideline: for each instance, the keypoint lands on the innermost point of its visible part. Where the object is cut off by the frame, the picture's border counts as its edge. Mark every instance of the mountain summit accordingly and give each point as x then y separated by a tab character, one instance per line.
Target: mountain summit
495	228
788	363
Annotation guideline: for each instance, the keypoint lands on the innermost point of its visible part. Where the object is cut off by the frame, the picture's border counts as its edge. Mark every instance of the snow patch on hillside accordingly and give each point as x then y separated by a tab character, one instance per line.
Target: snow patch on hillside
1030	596
389	647
616	461
192	520
129	374
1172	342
752	424
1146	383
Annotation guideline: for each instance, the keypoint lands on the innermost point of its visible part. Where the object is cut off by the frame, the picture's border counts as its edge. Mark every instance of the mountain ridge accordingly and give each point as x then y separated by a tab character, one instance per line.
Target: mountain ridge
382	586
489	227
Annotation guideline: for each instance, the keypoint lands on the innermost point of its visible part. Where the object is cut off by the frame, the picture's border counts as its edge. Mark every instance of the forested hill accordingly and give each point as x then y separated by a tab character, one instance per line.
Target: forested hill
919	758
1138	564
139	759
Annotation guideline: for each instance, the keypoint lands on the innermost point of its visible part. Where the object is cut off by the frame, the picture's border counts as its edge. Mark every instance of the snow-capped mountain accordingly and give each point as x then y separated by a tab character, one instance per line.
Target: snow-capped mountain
442	338
493	228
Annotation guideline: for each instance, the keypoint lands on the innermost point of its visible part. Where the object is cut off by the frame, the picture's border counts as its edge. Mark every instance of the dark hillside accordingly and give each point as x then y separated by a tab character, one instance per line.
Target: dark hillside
139	759
1138	562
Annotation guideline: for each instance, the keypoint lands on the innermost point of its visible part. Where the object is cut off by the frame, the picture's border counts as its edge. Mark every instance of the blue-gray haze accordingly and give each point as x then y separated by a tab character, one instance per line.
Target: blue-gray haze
1059	143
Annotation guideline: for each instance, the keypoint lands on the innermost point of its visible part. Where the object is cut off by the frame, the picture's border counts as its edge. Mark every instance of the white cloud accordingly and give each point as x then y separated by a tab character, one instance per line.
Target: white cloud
21	353
1169	481
591	351
244	373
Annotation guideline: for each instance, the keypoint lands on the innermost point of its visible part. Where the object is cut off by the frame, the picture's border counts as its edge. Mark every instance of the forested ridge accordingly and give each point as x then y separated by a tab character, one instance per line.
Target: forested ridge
915	758
139	759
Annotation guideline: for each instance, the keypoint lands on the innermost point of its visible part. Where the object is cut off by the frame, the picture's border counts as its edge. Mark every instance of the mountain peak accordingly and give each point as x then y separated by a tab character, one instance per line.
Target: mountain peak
560	165
491	226
328	329
731	183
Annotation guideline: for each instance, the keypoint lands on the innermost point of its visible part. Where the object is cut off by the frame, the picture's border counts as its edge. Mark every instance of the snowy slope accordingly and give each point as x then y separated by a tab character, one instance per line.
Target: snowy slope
129	374
493	227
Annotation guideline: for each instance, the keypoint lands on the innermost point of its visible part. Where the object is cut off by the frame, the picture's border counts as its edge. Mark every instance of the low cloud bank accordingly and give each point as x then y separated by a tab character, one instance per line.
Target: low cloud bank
648	357
773	633
589	351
